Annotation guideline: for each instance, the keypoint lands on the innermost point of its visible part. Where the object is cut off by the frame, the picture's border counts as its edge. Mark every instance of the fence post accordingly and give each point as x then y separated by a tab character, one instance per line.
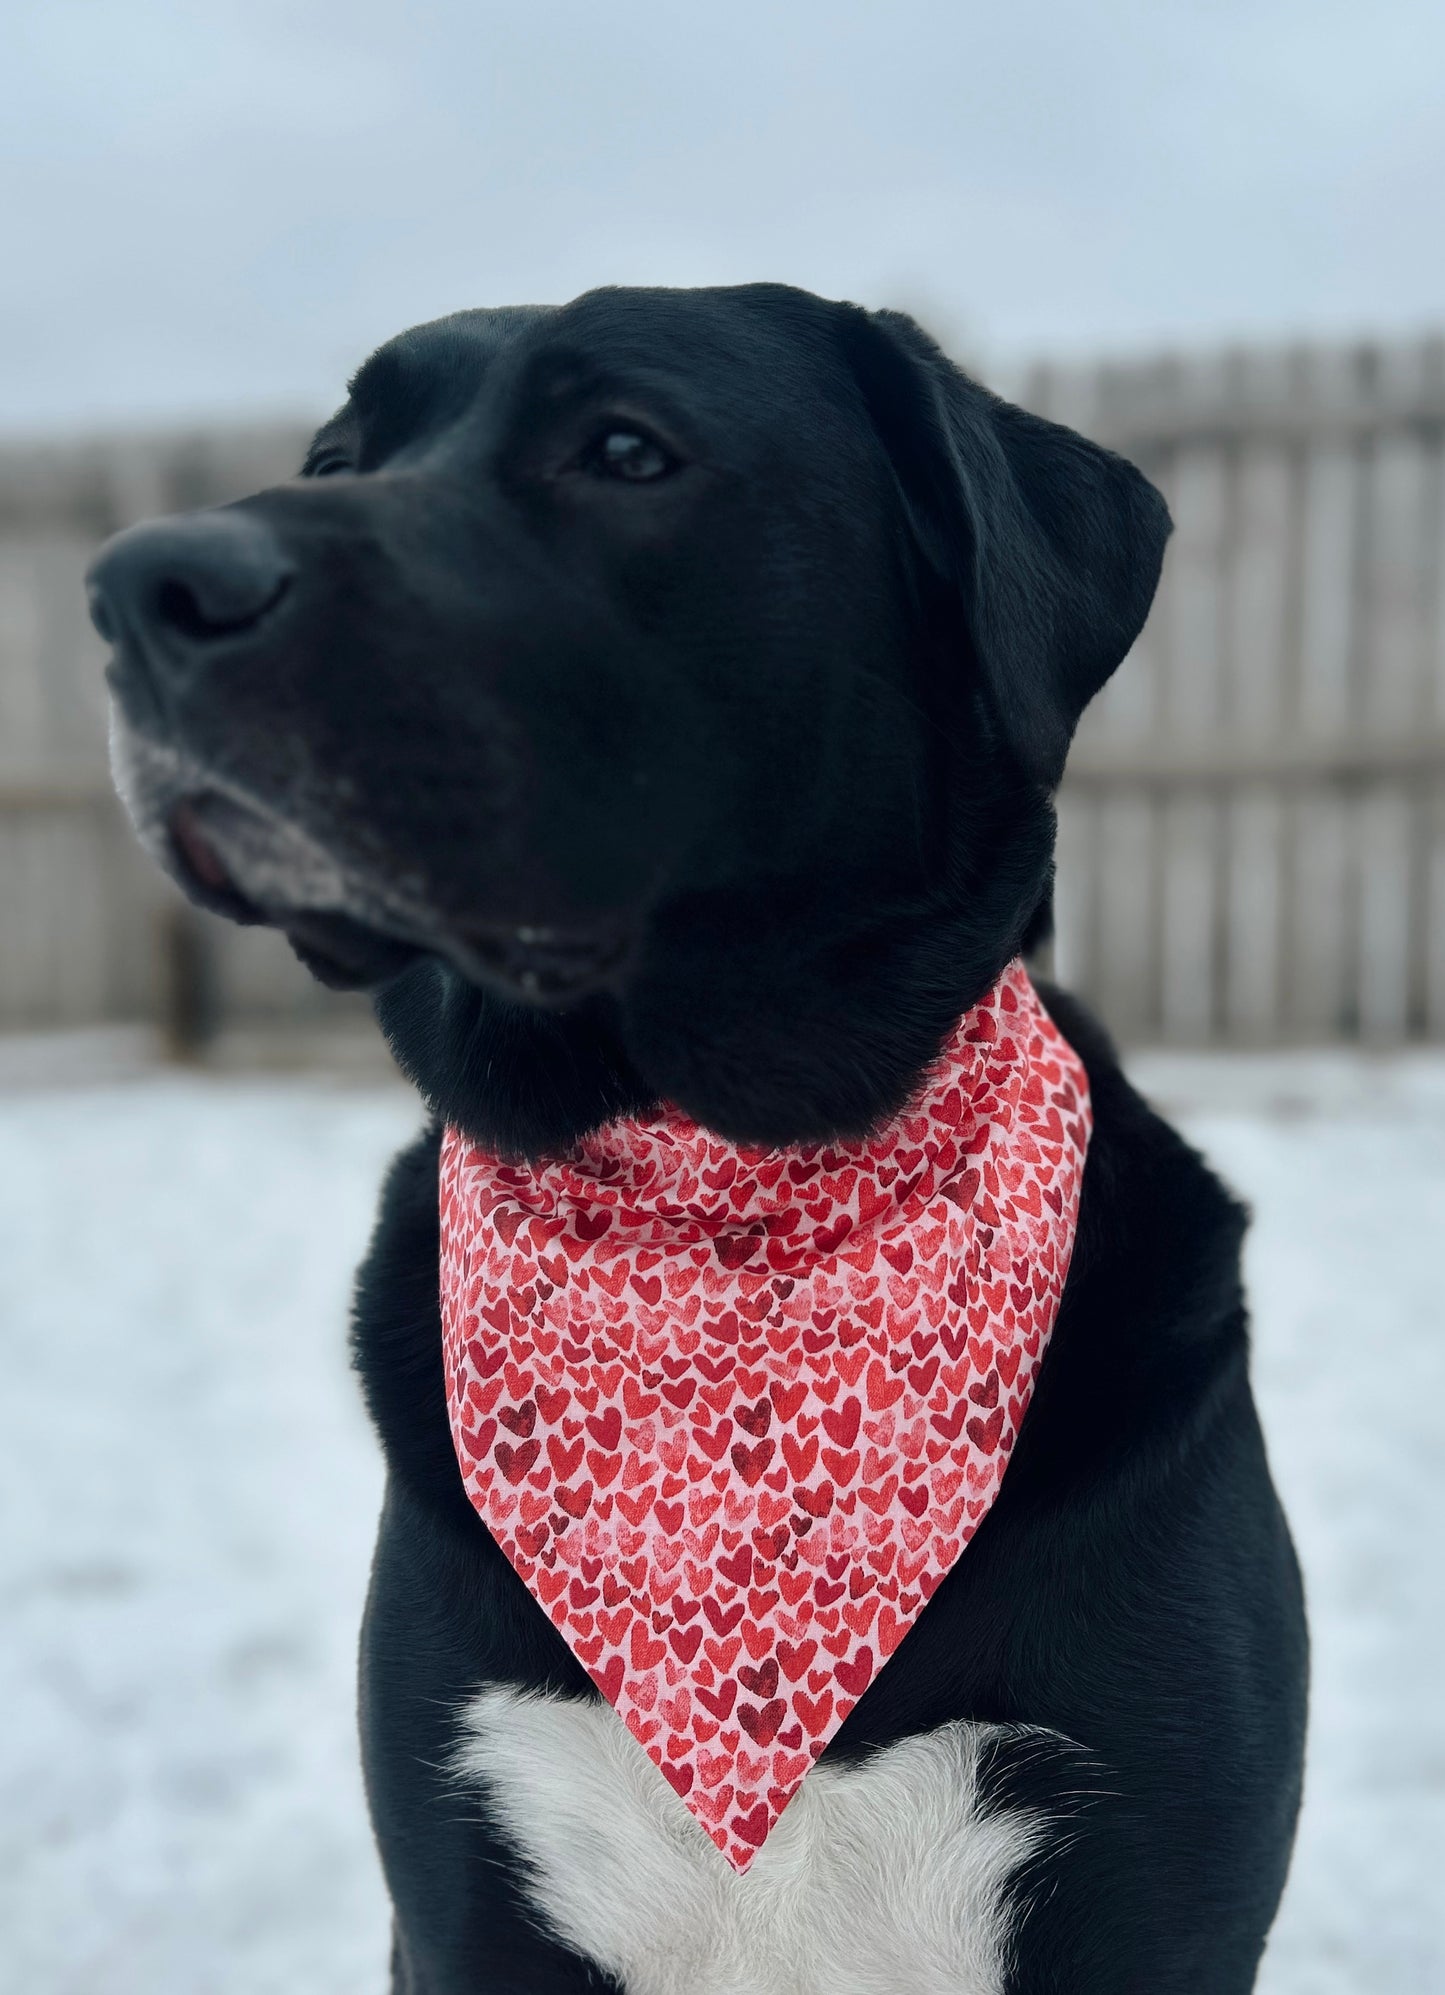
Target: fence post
187	984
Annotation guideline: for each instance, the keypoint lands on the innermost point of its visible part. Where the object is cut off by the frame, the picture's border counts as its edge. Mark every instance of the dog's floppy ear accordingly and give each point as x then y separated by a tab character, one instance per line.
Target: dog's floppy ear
1053	544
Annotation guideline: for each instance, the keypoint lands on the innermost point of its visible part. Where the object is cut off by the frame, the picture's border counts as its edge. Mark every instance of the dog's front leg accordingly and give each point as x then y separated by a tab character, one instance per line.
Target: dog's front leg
442	1606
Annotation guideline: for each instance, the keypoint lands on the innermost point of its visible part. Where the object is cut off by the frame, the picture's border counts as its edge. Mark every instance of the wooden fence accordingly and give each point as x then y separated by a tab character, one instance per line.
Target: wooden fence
89	932
1252	833
1252	837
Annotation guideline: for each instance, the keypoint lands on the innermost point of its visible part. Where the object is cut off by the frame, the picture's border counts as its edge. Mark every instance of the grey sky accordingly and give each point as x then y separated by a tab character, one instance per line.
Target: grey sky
218	209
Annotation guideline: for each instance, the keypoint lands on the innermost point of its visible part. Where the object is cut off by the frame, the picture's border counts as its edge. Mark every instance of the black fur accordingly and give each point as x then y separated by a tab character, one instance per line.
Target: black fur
773	736
1133	1588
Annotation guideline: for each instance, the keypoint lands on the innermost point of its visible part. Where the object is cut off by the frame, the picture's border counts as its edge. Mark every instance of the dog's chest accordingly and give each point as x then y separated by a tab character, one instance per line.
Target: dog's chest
889	1877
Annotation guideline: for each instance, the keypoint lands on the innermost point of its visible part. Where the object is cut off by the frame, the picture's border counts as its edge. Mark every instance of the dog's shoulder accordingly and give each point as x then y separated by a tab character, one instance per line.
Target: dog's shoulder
1134	1589
1158	1250
396	1333
1145	1183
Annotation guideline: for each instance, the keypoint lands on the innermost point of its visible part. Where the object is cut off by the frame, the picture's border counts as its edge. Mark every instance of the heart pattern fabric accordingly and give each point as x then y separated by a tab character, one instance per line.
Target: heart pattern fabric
733	1413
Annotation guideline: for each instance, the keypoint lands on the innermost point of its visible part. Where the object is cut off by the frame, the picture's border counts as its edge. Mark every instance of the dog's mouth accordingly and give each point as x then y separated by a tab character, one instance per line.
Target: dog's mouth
341	951
366	944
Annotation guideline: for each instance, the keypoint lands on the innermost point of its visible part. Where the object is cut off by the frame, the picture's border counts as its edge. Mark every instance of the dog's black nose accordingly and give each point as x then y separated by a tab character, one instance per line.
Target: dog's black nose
177	587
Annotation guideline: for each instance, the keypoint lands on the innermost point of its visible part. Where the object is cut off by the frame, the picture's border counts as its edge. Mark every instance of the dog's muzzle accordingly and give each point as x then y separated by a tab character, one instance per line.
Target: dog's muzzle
183	598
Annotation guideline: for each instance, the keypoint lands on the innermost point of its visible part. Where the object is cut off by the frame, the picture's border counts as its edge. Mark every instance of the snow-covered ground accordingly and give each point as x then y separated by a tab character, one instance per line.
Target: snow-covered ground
188	1492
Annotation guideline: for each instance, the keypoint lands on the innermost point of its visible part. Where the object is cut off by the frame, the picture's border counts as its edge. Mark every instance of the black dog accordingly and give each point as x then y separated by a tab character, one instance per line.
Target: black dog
661	698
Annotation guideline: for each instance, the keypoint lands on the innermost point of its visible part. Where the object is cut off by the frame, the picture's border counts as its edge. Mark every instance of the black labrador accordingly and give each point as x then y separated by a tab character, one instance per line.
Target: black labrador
662	697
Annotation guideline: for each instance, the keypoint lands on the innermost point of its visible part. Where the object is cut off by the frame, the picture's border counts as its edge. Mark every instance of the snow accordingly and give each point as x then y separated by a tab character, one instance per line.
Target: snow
1344	1165
190	1490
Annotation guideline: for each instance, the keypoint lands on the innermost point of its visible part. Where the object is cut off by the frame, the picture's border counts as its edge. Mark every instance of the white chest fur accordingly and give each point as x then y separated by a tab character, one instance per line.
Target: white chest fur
885	1878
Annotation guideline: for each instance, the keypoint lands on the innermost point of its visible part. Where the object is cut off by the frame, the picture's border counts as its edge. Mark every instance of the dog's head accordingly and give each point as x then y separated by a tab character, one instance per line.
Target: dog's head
656	696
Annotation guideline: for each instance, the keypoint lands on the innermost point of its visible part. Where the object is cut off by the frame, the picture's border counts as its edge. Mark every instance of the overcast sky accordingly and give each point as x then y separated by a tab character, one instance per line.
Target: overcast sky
219	209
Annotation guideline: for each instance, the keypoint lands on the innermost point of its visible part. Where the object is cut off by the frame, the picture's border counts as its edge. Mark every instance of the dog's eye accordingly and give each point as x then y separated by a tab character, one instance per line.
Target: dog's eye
327	467
628	454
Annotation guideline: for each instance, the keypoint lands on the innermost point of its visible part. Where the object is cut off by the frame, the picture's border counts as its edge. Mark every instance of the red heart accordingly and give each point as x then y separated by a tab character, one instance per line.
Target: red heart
685	1642
753	1827
564	1458
515	1462
842	1423
735	1250
800	1456
814	1711
737	1566
883	1391
486	1362
553	1404
508	1221
720	1701
985	1393
762	1681
950	1423
761	1725
787	1398
646	1653
478	1444
855	1673
679	1775
750	1462
983	1433
605	1427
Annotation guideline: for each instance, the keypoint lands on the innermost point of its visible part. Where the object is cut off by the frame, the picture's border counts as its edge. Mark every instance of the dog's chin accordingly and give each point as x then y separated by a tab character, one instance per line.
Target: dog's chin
550	967
339	946
237	864
346	955
540	968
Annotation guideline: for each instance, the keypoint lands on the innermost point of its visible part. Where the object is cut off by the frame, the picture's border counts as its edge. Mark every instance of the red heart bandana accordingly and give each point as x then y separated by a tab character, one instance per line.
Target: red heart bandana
733	1413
